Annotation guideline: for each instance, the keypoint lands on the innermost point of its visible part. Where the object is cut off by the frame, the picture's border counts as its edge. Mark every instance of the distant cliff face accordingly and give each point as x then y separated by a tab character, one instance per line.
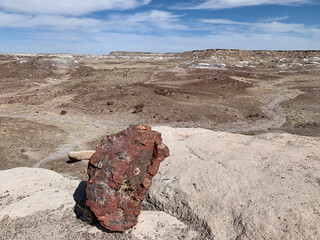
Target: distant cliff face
218	54
144	55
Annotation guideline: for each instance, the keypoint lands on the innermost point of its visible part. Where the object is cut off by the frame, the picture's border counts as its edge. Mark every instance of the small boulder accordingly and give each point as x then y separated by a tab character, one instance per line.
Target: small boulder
80	155
120	173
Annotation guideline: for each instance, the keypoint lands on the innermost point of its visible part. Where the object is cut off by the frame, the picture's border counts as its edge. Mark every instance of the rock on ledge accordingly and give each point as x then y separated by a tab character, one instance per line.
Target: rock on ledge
37	203
80	155
120	173
241	187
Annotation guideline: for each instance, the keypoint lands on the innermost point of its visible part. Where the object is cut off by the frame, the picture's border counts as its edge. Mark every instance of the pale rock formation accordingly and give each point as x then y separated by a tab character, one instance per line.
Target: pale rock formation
37	203
155	225
26	191
241	187
226	186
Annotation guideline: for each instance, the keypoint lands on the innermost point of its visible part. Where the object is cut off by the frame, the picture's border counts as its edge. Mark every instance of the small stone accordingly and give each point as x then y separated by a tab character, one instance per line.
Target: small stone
80	155
138	108
120	173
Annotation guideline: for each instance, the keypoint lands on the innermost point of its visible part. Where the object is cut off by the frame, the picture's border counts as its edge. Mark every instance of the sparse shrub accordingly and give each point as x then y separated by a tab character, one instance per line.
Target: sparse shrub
138	108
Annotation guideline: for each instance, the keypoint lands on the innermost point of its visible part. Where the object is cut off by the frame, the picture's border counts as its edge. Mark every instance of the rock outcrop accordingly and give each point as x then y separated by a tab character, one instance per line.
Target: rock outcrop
157	225
229	186
219	54
37	203
120	174
241	187
26	191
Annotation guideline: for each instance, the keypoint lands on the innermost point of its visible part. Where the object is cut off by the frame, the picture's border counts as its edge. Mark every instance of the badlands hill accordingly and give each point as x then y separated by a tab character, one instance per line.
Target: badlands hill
221	54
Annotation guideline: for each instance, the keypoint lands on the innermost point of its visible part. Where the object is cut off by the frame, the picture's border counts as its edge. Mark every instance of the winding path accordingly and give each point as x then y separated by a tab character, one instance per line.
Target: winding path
270	105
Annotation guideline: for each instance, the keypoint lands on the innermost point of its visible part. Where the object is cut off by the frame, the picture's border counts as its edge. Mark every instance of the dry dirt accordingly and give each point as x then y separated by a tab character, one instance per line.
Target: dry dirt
50	104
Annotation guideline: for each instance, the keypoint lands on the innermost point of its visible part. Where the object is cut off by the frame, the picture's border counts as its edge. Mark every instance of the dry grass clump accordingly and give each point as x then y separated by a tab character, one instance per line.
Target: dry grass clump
85	214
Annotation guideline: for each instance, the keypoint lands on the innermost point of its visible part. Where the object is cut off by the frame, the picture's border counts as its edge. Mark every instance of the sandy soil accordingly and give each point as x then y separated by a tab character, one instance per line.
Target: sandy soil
52	104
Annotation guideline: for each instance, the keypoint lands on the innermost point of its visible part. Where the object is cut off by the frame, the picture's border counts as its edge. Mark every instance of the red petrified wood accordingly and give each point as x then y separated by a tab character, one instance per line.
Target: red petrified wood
120	173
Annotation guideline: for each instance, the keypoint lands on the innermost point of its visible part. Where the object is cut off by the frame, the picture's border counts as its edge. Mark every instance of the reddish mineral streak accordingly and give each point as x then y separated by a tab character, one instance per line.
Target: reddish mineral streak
120	173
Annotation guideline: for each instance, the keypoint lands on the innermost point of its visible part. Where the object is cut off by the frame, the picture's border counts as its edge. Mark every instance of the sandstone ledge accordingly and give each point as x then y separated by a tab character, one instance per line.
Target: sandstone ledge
227	186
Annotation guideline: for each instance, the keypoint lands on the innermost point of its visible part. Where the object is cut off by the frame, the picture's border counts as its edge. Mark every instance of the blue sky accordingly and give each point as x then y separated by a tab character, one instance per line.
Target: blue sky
101	26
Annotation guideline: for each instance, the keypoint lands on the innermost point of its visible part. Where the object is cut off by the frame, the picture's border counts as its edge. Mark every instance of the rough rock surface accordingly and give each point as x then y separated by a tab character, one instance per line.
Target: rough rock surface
241	187
120	173
25	191
37	203
155	225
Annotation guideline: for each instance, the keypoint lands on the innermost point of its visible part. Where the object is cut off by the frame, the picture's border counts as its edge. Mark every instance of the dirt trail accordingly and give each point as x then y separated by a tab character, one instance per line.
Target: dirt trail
278	91
80	130
60	153
272	107
38	87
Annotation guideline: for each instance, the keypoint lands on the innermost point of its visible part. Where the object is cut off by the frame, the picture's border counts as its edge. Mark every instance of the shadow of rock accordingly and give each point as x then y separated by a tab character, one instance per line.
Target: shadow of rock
83	212
72	160
79	195
80	209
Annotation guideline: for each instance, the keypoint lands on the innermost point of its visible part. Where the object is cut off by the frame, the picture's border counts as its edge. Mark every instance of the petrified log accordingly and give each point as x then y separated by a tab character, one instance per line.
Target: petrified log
120	173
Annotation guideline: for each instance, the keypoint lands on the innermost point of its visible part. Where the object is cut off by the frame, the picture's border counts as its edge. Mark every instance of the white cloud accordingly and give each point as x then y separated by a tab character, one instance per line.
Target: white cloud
143	21
223	4
275	19
147	21
281	27
223	21
68	7
45	22
265	26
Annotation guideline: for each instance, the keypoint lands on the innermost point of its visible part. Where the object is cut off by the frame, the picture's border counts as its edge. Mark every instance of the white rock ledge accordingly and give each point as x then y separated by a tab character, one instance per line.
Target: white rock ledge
241	187
231	186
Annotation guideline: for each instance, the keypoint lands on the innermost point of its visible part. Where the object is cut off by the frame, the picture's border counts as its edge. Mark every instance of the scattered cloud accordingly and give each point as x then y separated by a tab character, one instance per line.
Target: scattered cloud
143	21
224	4
281	27
147	21
275	19
224	22
68	7
45	22
266	26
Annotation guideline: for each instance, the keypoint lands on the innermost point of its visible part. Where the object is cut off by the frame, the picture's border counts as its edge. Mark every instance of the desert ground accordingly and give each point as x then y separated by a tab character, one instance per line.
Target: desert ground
53	103
50	104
